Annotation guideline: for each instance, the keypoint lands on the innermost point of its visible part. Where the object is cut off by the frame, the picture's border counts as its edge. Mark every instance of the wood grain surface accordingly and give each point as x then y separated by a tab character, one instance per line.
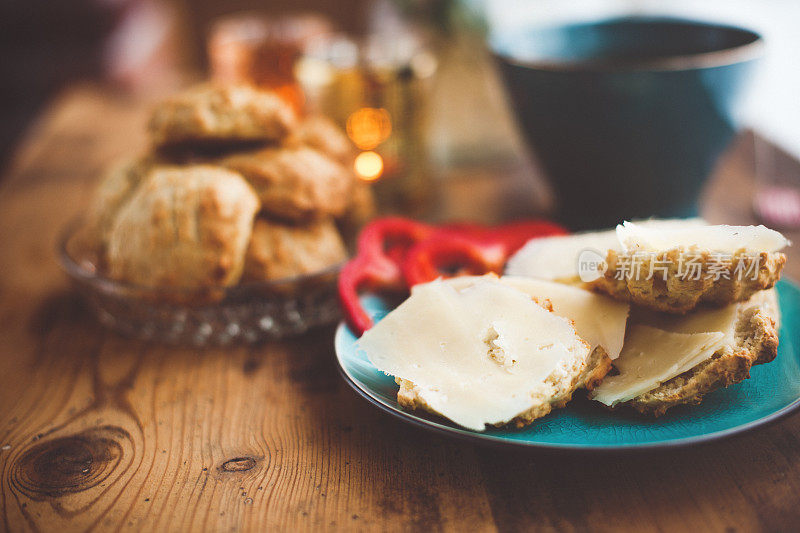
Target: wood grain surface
101	432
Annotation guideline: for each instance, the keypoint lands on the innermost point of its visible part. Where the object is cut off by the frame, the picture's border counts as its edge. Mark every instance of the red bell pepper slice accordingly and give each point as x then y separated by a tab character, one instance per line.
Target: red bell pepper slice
361	273
388	239
468	249
381	248
447	255
395	253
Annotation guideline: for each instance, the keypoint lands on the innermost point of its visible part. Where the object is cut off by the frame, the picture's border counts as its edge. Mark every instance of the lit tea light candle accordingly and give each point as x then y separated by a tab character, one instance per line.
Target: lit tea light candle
368	166
368	127
378	88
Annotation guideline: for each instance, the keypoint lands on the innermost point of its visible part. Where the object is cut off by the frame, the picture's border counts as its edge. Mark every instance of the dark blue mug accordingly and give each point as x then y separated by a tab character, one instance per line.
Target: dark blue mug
627	116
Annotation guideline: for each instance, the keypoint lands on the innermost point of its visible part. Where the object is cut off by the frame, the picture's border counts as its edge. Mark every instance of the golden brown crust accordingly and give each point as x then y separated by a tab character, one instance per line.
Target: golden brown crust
183	227
279	251
116	187
756	342
295	183
598	365
409	398
220	113
538	411
322	134
673	291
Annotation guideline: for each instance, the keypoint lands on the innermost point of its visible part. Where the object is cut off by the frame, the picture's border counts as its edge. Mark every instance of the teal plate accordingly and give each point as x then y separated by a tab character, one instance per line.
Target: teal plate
772	391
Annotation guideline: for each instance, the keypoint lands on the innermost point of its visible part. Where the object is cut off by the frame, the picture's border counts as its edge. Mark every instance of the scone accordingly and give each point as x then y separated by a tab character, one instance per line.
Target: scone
320	133
677	293
697	353
183	227
482	355
209	114
677	270
295	183
597	366
559	258
279	251
115	188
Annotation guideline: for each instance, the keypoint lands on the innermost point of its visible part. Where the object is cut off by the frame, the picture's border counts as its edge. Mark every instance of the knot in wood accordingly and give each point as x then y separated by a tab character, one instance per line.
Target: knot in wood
66	465
238	464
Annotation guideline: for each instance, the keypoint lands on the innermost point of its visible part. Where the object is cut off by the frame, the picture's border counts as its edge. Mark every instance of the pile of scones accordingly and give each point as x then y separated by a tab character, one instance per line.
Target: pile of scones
234	188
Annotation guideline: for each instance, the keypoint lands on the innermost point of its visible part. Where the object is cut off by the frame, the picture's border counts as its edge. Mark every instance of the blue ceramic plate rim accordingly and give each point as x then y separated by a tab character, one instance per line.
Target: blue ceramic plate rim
489	439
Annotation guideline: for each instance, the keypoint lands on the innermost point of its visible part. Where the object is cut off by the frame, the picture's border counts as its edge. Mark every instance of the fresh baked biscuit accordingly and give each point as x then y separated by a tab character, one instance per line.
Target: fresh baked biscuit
278	251
295	183
485	354
211	114
676	269
668	360
115	188
665	282
184	227
754	341
322	134
597	366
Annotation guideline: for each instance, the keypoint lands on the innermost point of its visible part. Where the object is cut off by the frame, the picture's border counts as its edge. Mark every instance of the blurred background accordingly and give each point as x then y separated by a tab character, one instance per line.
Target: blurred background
157	45
430	99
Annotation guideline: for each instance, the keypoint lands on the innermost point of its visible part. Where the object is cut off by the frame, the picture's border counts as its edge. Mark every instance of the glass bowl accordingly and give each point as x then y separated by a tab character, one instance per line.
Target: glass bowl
245	313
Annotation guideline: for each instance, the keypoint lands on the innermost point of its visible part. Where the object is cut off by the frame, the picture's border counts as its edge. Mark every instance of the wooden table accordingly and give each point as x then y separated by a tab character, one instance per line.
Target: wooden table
98	431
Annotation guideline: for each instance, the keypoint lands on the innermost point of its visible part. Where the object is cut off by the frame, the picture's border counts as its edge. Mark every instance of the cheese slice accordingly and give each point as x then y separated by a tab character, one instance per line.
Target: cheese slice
728	239
478	356
557	258
598	319
711	320
704	320
666	345
652	356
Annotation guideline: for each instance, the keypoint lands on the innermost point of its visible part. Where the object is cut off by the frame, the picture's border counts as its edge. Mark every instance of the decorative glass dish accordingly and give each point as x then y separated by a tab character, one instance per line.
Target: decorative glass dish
245	313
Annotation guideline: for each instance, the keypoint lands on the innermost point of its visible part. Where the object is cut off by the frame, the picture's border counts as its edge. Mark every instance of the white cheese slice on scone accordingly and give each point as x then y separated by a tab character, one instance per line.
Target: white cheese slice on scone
486	354
652	356
557	258
668	360
598	319
676	270
720	238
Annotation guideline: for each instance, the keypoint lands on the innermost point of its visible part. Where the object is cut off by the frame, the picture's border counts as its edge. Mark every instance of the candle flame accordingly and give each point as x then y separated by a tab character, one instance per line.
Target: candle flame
368	127
368	166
